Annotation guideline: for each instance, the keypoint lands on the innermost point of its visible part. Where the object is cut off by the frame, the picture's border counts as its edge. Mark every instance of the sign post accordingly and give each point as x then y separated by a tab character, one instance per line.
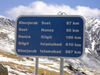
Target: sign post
61	66
57	36
36	66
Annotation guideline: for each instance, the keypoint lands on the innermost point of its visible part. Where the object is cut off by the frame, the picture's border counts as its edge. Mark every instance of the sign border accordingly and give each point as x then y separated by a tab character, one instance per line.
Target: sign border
50	16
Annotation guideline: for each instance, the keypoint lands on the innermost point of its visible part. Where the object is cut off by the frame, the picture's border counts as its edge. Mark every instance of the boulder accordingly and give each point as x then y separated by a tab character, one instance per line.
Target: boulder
3	70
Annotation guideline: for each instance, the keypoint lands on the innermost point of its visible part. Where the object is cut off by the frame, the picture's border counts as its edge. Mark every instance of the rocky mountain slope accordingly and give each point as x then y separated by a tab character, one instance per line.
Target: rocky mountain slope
6	21
88	64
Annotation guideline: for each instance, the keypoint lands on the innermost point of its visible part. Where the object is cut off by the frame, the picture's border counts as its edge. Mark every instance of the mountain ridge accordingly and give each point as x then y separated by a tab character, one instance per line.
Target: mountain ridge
6	21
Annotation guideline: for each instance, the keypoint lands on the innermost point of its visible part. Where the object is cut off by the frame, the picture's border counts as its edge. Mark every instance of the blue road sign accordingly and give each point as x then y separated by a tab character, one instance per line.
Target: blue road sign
50	36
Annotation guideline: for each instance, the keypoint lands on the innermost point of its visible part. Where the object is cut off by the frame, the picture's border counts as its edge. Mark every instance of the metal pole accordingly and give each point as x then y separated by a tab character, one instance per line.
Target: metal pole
61	66
36	66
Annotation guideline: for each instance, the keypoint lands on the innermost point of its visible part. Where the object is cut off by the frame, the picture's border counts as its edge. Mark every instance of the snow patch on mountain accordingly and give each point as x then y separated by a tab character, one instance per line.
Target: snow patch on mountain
2	16
7	32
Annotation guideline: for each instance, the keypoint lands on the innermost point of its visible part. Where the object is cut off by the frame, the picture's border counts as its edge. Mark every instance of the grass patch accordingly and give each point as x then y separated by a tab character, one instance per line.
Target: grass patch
9	55
23	69
12	72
